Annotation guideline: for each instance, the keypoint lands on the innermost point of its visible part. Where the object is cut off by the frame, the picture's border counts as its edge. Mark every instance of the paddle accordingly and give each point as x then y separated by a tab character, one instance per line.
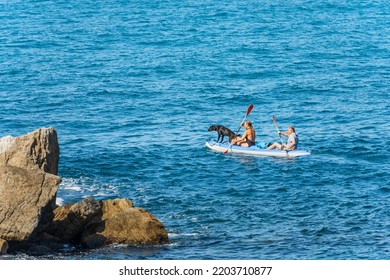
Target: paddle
276	125
281	139
238	130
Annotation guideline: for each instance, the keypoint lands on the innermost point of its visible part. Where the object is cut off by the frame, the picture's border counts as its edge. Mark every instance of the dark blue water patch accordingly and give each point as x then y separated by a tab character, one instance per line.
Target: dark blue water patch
384	189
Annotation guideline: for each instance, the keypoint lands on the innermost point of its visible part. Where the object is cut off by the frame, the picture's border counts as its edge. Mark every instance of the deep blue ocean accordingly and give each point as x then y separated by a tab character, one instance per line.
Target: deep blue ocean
132	86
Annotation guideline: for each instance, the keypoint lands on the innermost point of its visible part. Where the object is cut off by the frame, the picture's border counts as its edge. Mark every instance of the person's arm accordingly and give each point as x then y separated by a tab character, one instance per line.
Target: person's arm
242	139
284	134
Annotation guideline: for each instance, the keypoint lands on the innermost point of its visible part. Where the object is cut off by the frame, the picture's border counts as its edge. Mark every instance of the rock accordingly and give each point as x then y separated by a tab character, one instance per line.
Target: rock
3	247
106	222
39	250
112	207
121	223
6	142
31	221
37	149
71	219
27	200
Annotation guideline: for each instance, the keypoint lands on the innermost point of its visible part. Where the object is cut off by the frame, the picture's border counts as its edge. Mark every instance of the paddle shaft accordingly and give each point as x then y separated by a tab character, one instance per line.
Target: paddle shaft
238	130
276	125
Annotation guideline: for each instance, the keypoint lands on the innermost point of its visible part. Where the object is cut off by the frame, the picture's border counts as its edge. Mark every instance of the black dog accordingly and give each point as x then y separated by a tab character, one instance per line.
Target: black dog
223	131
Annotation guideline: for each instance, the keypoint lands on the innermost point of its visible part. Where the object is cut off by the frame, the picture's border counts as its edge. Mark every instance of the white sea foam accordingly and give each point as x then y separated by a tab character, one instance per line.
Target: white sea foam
86	187
59	201
173	235
70	184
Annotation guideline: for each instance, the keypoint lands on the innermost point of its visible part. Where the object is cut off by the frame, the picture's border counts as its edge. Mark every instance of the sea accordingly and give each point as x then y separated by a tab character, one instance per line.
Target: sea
132	86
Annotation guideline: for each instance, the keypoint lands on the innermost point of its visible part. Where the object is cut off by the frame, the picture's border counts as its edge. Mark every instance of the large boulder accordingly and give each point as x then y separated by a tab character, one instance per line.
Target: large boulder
134	226
28	183
71	219
30	218
36	150
121	223
94	224
27	200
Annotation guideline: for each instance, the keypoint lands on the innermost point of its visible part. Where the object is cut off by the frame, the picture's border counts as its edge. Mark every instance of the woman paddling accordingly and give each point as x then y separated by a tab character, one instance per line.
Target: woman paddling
248	138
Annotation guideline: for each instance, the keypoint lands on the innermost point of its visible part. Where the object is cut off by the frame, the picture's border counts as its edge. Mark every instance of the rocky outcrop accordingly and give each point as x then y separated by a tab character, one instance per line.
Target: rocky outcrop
71	219
121	223
27	201
36	150
30	219
27	190
96	223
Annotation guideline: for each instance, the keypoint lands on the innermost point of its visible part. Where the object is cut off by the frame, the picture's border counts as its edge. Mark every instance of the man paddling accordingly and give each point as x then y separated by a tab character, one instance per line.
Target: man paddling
292	142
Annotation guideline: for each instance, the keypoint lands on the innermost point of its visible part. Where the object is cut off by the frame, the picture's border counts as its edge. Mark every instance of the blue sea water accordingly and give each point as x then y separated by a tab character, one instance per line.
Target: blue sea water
132	87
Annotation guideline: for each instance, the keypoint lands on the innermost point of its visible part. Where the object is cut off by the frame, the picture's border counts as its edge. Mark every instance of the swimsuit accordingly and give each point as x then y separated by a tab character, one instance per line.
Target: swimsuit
250	142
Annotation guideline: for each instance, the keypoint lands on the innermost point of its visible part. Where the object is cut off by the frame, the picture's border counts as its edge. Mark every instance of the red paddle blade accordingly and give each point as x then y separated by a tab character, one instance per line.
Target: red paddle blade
249	109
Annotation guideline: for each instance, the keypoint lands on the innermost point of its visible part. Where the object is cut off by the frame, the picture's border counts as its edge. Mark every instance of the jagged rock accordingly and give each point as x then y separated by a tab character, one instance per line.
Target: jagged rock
27	200
29	218
106	222
27	190
135	226
3	247
37	149
121	223
69	220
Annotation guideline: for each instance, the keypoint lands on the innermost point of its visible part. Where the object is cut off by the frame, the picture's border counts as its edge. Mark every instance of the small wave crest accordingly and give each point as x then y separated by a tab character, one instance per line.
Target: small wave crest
59	201
72	188
70	184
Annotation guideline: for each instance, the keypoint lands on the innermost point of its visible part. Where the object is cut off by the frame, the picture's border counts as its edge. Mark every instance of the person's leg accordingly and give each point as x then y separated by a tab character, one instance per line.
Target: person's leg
234	141
274	145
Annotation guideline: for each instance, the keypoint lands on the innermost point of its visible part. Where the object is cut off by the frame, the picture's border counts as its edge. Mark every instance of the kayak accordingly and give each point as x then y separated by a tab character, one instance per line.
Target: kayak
257	150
